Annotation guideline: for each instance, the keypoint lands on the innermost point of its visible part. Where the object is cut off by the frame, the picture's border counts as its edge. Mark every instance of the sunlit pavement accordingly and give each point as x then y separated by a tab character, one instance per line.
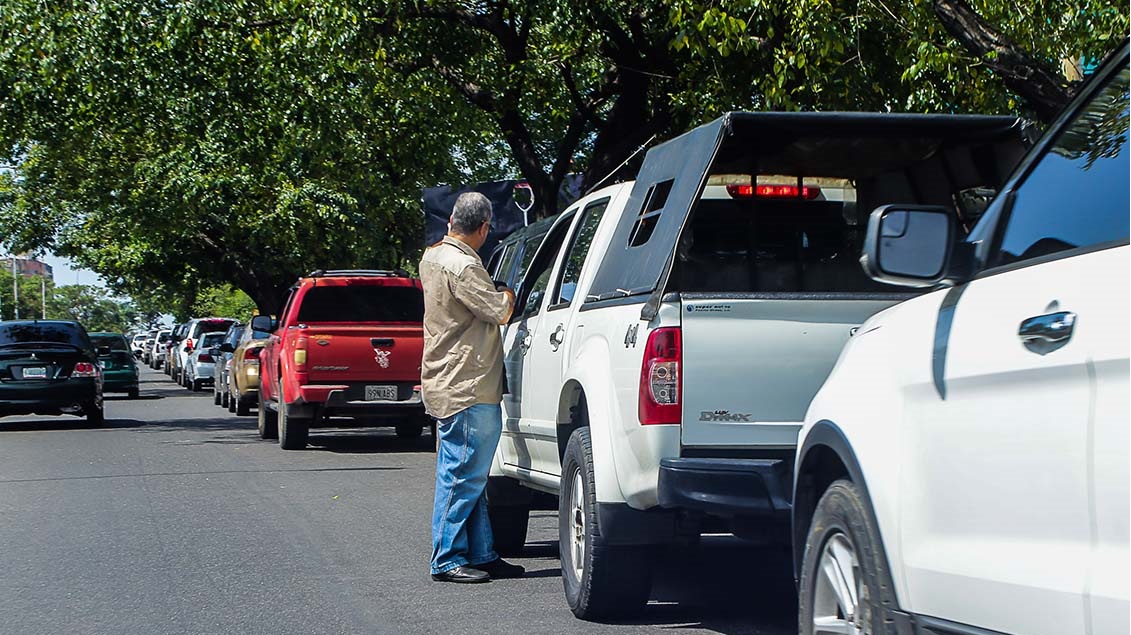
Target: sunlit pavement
176	518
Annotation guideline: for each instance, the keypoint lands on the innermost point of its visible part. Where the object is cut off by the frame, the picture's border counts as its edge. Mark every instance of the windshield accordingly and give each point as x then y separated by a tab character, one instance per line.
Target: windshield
362	303
17	333
113	342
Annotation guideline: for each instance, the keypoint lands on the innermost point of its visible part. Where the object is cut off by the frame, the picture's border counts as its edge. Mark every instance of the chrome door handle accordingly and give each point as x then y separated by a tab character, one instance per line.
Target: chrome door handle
1051	328
557	337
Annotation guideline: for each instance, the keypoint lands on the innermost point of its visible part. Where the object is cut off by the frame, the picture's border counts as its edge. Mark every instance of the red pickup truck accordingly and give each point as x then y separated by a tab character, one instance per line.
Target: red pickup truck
346	350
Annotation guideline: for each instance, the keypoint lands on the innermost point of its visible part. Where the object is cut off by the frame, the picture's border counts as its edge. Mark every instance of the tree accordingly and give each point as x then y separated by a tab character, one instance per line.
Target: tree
91	307
224	301
166	145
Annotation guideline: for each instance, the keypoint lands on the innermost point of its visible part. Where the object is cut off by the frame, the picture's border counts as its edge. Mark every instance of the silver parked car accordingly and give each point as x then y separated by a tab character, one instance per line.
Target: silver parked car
200	365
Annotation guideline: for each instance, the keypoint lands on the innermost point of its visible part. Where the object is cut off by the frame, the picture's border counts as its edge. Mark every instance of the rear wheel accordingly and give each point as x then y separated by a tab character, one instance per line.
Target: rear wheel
601	580
196	384
293	431
268	420
240	406
845	585
134	393
95	415
217	398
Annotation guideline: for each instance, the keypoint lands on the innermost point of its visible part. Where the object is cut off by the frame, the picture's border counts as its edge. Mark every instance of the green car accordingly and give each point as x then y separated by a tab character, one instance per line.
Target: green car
119	368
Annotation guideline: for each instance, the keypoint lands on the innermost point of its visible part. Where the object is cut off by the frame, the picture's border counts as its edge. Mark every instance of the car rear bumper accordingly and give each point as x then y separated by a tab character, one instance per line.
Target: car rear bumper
47	397
343	400
727	488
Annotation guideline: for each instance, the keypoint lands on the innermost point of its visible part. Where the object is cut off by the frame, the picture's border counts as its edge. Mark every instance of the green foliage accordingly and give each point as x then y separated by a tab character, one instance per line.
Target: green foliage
224	301
89	305
174	146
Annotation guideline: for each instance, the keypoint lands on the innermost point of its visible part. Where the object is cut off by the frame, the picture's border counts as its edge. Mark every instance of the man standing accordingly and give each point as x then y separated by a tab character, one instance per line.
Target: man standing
462	386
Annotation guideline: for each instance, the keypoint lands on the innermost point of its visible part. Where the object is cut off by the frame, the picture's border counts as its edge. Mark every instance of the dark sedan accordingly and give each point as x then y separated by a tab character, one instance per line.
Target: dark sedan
49	367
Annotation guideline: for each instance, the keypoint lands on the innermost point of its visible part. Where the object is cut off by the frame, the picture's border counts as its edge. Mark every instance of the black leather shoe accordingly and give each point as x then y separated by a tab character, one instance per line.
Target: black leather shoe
463	575
501	569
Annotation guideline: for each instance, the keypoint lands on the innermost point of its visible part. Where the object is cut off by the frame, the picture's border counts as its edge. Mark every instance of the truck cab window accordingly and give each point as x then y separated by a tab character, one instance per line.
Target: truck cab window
536	279
579	249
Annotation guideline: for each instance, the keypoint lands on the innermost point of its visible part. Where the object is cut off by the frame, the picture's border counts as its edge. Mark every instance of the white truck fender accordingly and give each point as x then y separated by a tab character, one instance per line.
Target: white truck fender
589	372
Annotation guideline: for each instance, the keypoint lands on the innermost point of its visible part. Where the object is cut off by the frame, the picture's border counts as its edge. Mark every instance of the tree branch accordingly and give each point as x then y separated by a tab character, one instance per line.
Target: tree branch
1040	86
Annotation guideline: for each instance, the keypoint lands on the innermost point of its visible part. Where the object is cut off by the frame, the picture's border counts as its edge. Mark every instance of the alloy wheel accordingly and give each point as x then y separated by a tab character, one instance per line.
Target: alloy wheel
836	596
577	525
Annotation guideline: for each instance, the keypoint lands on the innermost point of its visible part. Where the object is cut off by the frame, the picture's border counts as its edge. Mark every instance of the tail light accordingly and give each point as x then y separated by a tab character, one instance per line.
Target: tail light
660	381
84	369
251	355
805	192
206	358
300	353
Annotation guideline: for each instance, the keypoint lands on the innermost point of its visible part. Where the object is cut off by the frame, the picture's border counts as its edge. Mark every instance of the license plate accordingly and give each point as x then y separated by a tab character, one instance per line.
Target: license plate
382	393
35	372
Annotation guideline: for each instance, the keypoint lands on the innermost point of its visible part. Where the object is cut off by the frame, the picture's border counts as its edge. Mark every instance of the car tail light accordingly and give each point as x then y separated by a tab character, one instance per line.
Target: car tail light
805	192
251	355
660	381
206	358
84	369
300	353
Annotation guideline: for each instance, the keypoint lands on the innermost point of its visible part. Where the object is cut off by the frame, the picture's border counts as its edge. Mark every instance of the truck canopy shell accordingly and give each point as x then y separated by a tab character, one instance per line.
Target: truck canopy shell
971	151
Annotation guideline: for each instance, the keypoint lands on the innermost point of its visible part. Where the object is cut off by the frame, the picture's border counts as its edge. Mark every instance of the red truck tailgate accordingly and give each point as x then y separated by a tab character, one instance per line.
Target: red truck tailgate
363	353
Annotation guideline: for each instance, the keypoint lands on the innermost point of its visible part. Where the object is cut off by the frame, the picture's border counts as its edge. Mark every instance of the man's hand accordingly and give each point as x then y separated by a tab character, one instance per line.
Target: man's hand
510	296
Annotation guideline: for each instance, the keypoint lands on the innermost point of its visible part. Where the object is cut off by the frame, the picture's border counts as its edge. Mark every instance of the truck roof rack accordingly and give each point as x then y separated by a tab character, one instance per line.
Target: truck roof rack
377	273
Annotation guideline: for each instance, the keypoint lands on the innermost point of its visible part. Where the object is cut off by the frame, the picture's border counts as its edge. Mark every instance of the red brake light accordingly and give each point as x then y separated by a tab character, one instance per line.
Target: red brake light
660	380
805	192
206	358
84	369
251	354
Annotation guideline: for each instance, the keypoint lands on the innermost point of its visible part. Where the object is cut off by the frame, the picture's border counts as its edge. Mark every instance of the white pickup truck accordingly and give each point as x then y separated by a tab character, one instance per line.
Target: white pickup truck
670	332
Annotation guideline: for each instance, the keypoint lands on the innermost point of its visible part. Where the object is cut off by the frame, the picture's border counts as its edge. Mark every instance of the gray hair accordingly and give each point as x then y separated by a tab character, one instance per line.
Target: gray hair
471	210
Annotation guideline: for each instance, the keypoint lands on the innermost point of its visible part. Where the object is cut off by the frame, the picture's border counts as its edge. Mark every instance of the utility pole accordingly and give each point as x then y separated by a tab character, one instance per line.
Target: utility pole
15	290
43	292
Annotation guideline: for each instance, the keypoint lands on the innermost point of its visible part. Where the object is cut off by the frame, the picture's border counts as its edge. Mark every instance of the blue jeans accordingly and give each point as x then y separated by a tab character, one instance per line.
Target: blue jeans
461	531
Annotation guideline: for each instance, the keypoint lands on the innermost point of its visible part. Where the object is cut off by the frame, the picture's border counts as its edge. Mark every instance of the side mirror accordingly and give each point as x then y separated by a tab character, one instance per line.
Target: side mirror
909	245
262	323
103	350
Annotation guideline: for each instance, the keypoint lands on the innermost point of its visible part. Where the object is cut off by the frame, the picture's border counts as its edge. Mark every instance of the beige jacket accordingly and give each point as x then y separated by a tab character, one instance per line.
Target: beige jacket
463	349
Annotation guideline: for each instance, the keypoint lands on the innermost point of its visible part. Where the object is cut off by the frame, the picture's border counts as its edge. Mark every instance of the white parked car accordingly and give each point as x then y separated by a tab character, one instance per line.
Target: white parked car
964	469
193	331
200	368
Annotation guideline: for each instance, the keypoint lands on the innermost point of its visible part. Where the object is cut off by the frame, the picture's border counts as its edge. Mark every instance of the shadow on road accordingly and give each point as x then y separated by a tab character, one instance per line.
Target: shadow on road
722	584
367	441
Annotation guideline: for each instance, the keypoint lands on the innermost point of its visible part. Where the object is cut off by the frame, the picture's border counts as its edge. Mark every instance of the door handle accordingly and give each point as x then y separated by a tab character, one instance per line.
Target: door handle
1051	327
524	339
557	337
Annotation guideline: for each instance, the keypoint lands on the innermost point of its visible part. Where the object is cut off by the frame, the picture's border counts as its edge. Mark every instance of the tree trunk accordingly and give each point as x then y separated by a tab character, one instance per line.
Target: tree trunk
1038	84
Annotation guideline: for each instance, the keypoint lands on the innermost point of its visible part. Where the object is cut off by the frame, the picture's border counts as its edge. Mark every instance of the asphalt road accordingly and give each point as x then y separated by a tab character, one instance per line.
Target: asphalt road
176	518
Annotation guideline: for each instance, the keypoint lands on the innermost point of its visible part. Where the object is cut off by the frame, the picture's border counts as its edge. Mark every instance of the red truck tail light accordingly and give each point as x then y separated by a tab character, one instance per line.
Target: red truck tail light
805	192
660	380
300	354
84	369
251	355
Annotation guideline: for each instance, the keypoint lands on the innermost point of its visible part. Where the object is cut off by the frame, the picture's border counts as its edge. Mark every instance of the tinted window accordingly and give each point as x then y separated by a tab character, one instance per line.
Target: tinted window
212	326
362	303
506	266
114	342
535	292
571	268
211	339
1077	195
529	248
42	333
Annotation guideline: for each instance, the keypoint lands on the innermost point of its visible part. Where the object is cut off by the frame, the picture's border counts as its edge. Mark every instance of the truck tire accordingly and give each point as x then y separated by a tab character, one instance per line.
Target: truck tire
843	537
293	431
268	421
601	580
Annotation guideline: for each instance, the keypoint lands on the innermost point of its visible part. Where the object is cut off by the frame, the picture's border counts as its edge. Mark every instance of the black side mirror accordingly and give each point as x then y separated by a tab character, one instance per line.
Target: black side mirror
909	245
262	323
